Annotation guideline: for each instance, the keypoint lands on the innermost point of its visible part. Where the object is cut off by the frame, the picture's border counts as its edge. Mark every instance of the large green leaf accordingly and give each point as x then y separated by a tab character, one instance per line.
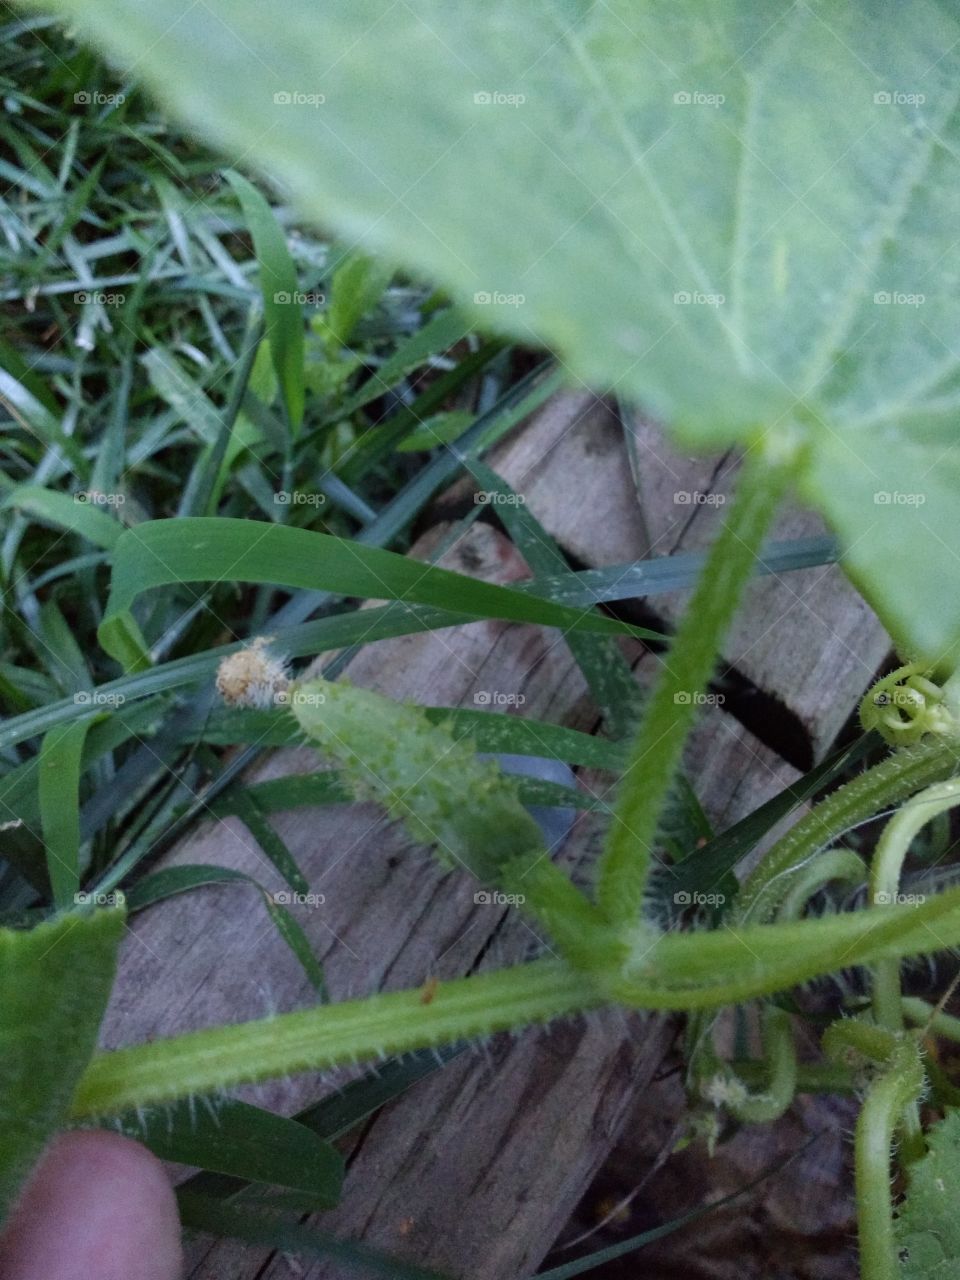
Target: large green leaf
743	215
54	984
928	1230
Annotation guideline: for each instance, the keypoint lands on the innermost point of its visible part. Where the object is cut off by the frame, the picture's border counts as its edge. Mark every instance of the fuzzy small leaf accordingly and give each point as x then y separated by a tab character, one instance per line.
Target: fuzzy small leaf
54	984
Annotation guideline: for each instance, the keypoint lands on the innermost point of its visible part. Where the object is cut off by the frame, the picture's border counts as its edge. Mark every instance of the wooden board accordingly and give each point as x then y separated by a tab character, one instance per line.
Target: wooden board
476	1169
807	640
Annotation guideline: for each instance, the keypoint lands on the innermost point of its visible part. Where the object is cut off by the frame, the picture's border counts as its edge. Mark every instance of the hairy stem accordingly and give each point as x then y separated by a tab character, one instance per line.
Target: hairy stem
330	1035
878	788
812	1077
885	871
672	706
674	971
781	1072
896	1089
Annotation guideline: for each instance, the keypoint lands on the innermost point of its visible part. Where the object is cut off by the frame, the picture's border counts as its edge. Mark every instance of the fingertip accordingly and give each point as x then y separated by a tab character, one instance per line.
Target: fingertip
98	1204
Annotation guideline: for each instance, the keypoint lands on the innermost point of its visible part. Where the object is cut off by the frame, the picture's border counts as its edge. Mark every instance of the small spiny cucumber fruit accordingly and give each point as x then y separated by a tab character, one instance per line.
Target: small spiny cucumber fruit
423	775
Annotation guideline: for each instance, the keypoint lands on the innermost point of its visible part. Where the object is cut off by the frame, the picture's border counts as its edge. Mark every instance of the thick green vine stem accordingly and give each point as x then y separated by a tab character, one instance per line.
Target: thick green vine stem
880	787
202	1062
673	704
898	1087
885	871
674	971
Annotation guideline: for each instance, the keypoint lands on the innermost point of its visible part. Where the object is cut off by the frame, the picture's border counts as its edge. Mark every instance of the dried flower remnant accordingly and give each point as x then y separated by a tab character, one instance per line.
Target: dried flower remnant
252	677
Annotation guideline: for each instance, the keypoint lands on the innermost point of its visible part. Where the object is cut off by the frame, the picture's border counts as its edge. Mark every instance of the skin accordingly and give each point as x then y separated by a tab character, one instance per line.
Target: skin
98	1207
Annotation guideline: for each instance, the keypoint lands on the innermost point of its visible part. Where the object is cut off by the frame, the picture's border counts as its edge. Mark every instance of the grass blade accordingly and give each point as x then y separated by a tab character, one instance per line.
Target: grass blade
59	788
283	314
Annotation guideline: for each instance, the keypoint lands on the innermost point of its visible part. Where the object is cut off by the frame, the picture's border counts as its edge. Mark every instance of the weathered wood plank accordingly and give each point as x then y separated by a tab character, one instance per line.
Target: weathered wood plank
476	1169
391	918
807	639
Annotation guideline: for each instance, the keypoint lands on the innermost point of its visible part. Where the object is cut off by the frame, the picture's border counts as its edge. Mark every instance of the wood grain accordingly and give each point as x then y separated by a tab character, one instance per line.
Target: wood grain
476	1169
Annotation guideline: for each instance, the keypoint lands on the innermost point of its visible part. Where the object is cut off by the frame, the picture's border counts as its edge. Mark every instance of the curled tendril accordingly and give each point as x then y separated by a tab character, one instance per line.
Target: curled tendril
906	705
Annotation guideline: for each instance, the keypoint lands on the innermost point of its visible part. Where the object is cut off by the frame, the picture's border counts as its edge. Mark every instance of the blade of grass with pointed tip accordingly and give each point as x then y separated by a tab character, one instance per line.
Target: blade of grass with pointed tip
59	795
160	552
242	1141
64	511
171	881
283	314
